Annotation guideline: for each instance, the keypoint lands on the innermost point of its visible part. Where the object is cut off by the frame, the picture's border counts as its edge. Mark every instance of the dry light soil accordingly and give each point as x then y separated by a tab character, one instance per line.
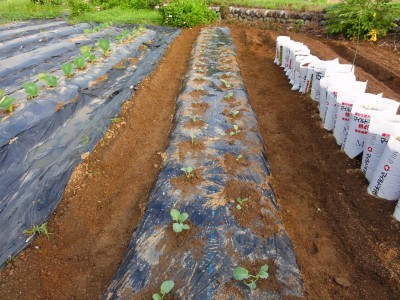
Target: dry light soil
346	242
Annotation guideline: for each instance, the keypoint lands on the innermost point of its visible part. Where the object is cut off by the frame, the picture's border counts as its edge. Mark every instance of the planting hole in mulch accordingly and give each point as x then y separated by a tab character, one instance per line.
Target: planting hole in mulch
189	149
234	164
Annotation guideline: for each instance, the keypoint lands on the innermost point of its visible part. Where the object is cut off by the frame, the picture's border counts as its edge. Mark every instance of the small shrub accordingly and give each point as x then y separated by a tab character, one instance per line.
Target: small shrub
187	13
78	7
370	17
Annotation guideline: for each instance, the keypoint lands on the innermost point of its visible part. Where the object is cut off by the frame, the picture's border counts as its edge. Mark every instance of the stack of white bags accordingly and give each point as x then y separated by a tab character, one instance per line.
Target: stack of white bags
362	123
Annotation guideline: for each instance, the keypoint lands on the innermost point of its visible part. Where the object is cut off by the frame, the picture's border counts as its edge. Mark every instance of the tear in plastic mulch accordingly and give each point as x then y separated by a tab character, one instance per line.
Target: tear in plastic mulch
42	141
216	134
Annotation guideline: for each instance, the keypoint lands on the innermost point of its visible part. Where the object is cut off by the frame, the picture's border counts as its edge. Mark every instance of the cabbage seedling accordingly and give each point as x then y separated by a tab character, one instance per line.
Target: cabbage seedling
50	80
178	219
193	137
243	275
229	95
6	102
195	118
234	113
80	62
227	83
68	69
235	130
166	287
36	229
188	171
239	157
240	202
92	58
31	89
104	45
85	51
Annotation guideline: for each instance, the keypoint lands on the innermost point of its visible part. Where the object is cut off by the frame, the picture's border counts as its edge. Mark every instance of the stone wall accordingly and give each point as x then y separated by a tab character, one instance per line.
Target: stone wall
280	16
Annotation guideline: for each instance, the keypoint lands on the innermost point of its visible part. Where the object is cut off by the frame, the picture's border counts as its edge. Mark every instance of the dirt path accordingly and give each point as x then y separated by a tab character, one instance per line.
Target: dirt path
346	243
106	196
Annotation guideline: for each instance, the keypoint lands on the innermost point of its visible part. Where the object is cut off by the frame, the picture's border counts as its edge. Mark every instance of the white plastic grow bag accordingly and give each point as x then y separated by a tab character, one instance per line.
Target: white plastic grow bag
385	182
305	64
396	213
295	48
330	81
360	118
319	73
344	105
339	87
380	130
279	48
295	75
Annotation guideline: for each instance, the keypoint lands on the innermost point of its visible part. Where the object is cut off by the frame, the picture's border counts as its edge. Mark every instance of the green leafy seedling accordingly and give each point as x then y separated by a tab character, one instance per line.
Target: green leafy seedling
239	157
92	58
226	83
6	102
68	69
84	50
80	62
104	45
116	120
228	96
166	287
119	38
193	138
50	80
85	141
10	259
188	171
31	89
234	113
240	202
242	274
178	219
36	229
235	130
195	118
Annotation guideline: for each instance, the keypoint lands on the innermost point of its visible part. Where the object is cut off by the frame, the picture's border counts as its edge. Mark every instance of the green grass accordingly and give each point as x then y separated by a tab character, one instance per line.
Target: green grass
296	5
15	10
121	15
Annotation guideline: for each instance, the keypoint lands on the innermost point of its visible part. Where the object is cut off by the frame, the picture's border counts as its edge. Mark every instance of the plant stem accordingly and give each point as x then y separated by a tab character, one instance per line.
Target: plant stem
358	42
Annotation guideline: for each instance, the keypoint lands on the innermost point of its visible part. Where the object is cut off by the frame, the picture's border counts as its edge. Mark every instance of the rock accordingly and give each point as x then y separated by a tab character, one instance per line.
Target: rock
343	282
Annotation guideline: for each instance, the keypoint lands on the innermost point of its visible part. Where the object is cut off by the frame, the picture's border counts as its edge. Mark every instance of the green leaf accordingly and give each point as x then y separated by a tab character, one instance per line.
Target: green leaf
84	49
177	227
175	214
51	81
6	103
31	89
104	45
240	273
185	226
251	285
263	273
183	217
92	58
80	62
67	68
238	207
189	169
167	286
156	297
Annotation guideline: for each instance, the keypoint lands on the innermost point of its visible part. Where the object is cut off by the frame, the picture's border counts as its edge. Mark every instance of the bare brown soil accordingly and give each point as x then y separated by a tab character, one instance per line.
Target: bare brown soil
106	196
346	242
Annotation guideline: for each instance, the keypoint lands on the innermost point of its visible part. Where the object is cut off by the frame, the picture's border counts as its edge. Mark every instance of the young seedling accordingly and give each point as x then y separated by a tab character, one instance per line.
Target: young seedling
6	102
178	219
193	137
195	118
10	259
242	274
240	202
31	89
235	130
119	38
234	113
226	83
188	171
116	120
68	69
36	229
166	287
228	96
80	62
239	157
85	141
50	80
104	45
85	51
92	58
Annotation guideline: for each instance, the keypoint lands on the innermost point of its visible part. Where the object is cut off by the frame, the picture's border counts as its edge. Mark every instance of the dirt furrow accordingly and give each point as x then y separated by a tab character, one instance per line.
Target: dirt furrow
106	196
